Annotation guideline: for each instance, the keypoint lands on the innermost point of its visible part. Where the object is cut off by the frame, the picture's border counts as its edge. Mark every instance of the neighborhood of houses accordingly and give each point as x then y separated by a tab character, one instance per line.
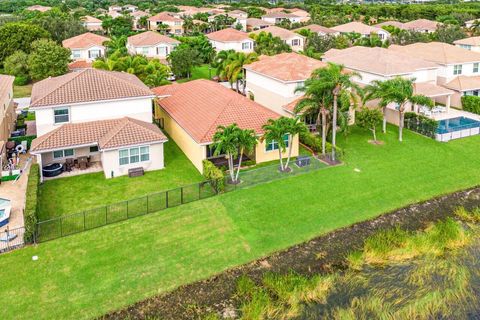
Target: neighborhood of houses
91	120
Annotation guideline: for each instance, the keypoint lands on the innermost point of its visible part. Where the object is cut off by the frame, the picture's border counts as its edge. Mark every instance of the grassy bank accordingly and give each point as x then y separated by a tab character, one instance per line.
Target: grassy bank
88	274
22	91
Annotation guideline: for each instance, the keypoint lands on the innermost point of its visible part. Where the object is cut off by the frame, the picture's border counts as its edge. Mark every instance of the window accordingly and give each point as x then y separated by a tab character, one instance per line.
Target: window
299	85
466	46
144	51
457	69
134	155
76	54
295	42
273	145
94	54
162	51
93	149
61	115
475	67
246	45
178	31
63	153
178	23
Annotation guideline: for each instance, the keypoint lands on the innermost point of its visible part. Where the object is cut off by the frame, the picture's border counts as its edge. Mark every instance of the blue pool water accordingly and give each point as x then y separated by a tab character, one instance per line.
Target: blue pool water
456	124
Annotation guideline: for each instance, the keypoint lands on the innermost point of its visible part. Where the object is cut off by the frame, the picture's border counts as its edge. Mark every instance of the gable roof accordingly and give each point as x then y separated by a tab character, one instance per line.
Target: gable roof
150	38
90	19
439	52
471	41
464	83
392	23
6	84
286	66
357	27
282	33
255	22
164	16
39	7
228	35
84	40
139	14
317	29
377	60
87	86
107	134
421	24
280	14
200	106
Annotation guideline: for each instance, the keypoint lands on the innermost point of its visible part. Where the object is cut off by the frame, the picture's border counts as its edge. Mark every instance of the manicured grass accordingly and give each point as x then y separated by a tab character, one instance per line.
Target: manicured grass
74	194
88	274
200	72
22	91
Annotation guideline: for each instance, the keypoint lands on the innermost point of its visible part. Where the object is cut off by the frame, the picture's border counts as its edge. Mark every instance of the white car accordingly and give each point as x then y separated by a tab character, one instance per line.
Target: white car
171	77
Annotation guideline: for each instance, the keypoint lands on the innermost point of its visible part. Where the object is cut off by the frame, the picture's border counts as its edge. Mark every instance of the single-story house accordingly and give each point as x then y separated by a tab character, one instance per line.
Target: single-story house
278	17
231	39
362	29
257	24
191	112
151	44
318	29
92	23
293	39
87	46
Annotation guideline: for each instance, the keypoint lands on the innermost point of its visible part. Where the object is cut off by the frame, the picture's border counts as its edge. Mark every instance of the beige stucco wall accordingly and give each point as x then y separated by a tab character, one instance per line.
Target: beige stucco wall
110	161
7	115
194	152
269	99
263	156
47	157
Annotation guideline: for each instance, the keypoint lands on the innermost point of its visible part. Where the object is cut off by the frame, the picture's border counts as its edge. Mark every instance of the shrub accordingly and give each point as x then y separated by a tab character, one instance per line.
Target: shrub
314	142
214	175
471	104
21	80
22	138
420	124
30	212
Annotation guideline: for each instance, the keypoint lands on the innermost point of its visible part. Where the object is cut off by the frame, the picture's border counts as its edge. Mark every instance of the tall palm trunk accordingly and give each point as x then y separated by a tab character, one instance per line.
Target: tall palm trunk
324	131
281	160
334	121
290	141
231	168
400	123
384	126
239	164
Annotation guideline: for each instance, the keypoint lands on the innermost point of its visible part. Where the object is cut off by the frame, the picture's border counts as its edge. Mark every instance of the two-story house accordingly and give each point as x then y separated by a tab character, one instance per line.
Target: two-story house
102	116
254	24
136	16
273	81
278	17
86	47
470	43
362	29
92	23
151	44
293	39
172	23
231	39
459	69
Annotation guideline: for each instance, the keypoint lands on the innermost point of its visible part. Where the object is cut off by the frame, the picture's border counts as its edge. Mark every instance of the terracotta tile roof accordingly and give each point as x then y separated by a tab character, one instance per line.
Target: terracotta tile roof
438	52
228	35
107	134
317	29
283	34
90	19
290	107
286	66
254	22
6	83
79	64
431	90
280	15
164	16
471	41
38	7
85	40
200	106
150	38
86	86
421	24
357	27
393	23
377	60
299	12
464	83
139	14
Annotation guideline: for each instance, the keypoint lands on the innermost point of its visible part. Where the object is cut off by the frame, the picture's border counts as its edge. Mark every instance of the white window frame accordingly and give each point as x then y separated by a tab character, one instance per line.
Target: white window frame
159	48
274	144
98	53
140	152
457	69
63	156
76	54
476	66
246	45
295	42
55	116
145	51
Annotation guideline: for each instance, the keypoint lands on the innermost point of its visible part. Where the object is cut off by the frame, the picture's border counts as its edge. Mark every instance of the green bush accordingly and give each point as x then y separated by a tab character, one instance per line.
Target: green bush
471	104
314	142
421	124
22	138
30	212
21	80
214	175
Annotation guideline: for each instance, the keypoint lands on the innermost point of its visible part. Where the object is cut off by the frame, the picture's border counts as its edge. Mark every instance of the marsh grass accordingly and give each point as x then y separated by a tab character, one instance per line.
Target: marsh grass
468	216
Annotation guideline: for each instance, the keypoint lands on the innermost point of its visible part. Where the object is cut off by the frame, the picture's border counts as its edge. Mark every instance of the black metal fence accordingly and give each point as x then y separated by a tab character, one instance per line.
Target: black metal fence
101	216
11	239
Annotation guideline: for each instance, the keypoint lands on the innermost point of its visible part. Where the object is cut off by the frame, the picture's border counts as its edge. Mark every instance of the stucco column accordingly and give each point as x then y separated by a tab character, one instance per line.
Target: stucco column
448	102
39	160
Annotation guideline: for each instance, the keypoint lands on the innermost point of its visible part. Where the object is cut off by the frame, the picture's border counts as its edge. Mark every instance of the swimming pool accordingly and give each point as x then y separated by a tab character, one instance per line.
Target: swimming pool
456	124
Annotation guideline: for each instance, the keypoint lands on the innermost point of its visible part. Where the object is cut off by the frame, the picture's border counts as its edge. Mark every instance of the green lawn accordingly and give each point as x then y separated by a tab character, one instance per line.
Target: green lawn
73	194
201	72
22	91
88	274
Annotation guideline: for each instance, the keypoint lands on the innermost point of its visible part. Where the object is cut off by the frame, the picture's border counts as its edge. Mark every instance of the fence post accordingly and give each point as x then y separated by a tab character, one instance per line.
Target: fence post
61	227
127	209
147	203
199	191
181	195
106	215
166	199
6	234
84	224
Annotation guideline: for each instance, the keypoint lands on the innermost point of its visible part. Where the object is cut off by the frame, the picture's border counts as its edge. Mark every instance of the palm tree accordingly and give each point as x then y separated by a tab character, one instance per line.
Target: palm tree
234	68
116	44
247	140
275	132
293	127
163	28
399	91
225	142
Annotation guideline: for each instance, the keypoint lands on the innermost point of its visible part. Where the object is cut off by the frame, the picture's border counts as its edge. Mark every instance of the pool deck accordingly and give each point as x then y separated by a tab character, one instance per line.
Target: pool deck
455	113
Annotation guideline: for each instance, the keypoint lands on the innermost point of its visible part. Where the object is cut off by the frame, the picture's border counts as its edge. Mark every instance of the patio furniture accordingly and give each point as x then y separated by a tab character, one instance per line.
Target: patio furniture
302	161
136	172
69	164
83	163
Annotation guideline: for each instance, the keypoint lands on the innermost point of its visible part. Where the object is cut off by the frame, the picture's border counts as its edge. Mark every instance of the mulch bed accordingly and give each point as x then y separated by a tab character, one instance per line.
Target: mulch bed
320	255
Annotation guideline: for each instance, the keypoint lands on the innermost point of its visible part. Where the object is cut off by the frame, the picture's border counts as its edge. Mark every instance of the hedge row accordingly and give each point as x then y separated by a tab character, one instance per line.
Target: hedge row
30	212
314	142
215	175
421	124
471	104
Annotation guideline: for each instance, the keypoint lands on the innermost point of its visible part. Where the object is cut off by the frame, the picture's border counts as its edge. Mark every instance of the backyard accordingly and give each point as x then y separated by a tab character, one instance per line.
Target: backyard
201	72
73	194
89	274
22	91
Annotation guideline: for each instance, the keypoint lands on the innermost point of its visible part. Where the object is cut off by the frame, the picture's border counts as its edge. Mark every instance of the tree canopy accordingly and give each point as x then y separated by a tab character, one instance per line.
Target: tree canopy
19	36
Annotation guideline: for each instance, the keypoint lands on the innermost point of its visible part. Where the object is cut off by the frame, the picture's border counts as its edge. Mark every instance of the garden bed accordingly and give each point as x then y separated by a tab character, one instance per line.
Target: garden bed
320	255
